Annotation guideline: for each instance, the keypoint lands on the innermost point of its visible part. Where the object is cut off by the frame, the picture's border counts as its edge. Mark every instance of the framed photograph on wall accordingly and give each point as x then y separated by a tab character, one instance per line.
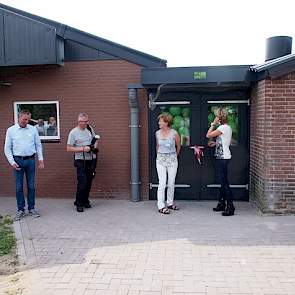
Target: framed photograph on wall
45	117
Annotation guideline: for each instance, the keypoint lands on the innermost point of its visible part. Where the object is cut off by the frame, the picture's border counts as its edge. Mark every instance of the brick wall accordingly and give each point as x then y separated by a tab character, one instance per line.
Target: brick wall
272	145
98	88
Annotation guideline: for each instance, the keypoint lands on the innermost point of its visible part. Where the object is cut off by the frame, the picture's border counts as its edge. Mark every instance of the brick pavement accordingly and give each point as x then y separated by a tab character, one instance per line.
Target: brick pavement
124	248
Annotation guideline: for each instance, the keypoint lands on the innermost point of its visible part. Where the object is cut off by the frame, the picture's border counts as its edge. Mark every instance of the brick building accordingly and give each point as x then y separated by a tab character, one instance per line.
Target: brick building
272	141
58	71
83	73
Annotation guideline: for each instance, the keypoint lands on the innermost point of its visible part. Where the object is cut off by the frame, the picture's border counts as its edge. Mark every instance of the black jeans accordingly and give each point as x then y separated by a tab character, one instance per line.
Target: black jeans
84	181
221	177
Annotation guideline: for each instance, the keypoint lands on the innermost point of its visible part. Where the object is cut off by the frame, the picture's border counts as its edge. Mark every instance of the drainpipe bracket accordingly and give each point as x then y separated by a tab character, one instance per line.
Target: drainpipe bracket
135	126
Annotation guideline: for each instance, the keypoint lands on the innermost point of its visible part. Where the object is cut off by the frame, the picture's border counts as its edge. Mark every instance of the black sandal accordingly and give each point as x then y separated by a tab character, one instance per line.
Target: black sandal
164	211
173	207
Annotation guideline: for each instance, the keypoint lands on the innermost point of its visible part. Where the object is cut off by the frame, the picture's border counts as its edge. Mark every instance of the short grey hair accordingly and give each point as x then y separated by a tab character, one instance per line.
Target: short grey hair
24	112
82	115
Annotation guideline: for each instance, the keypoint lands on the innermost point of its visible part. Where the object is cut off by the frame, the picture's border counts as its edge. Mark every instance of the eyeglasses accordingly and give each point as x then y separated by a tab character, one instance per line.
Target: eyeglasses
84	121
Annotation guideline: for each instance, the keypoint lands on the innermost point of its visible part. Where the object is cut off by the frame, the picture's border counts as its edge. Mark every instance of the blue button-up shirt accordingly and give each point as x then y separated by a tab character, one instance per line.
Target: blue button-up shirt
22	142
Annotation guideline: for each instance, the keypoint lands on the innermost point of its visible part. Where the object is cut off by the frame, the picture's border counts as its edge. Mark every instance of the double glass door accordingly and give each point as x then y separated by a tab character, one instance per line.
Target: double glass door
192	115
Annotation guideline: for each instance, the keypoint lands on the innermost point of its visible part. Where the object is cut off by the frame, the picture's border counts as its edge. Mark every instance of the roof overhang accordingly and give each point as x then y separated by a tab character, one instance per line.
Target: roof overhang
275	68
192	77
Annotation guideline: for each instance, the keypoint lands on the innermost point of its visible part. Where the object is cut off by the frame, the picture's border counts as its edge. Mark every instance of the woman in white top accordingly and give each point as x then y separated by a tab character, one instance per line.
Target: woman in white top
223	135
168	147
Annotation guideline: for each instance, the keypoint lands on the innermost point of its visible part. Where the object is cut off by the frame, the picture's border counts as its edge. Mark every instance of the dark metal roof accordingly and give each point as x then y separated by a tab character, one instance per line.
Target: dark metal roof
24	41
82	45
275	68
197	75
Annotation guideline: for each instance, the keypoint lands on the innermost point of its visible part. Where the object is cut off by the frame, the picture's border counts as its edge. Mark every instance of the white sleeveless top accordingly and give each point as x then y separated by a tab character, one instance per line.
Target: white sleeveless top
166	145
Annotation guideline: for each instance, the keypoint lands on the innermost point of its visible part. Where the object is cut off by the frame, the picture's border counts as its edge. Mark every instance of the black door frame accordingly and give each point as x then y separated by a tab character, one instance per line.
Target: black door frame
202	96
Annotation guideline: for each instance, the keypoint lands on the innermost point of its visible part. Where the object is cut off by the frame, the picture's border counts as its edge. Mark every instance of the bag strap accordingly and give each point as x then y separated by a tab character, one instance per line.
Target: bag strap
91	130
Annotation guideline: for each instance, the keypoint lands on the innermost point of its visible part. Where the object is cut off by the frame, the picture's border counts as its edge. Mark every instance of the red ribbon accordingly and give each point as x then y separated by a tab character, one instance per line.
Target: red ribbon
198	151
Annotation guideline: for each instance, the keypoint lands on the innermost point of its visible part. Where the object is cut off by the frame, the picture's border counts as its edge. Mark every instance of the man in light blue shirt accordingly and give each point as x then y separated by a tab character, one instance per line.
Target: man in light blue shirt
22	142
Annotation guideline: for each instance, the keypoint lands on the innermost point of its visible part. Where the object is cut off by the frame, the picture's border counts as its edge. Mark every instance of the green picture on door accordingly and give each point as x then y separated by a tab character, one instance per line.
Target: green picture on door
181	121
233	119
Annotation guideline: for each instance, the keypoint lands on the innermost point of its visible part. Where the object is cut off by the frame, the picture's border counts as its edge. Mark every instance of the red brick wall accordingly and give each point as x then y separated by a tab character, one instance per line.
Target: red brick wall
257	118
272	145
98	88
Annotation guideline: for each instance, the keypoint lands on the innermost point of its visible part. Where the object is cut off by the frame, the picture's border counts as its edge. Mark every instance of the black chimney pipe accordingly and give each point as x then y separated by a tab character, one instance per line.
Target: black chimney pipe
278	46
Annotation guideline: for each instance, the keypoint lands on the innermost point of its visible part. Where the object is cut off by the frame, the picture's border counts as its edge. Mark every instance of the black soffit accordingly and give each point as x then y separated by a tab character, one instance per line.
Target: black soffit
192	76
217	76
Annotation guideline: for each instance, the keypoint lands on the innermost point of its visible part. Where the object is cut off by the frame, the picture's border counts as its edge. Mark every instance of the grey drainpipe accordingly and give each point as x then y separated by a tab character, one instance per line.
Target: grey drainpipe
134	130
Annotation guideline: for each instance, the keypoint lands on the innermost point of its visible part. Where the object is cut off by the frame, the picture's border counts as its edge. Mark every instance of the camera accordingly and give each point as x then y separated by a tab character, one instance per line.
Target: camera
93	149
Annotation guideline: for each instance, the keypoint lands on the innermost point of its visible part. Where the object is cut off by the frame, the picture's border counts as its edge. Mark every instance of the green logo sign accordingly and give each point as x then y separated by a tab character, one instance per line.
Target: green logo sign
200	75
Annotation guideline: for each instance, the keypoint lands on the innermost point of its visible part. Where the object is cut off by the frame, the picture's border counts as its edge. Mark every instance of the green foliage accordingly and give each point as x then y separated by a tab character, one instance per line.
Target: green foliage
175	111
178	121
183	131
7	238
181	121
211	117
186	112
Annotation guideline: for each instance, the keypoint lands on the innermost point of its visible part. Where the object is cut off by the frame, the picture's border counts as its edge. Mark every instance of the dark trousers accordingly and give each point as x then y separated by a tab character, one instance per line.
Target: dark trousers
221	177
84	181
27	167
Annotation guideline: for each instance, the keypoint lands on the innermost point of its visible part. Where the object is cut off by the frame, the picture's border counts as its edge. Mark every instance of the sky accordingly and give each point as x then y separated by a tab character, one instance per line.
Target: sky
183	32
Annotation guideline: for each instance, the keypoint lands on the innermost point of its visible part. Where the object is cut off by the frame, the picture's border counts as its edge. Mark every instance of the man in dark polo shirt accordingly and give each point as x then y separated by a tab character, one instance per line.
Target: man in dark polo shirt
79	142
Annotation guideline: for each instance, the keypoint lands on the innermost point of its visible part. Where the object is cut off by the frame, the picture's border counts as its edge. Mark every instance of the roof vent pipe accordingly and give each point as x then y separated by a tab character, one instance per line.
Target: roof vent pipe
278	46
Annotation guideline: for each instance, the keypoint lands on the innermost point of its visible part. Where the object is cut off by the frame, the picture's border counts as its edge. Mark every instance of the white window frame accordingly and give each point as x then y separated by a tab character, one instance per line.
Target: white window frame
42	137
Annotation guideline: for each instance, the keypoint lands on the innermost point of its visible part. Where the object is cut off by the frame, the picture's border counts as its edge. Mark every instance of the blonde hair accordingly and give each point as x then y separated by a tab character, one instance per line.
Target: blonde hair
222	115
167	118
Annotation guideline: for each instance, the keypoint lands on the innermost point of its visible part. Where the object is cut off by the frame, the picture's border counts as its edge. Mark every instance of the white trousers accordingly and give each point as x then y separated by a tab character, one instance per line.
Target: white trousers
162	170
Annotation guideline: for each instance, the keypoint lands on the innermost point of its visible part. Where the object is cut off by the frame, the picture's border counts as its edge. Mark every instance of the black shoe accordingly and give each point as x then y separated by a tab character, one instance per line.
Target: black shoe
87	206
220	206
229	211
80	209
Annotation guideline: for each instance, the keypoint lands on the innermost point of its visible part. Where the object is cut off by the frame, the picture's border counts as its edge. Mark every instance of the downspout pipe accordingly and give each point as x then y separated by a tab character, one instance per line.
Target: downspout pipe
134	145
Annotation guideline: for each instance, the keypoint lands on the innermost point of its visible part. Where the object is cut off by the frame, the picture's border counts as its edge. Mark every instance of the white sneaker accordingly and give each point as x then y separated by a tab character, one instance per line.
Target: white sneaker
19	215
34	213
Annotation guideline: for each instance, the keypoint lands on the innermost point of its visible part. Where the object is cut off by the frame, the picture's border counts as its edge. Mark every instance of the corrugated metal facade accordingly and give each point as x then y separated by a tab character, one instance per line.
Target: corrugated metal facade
27	42
1	38
27	30
78	51
74	50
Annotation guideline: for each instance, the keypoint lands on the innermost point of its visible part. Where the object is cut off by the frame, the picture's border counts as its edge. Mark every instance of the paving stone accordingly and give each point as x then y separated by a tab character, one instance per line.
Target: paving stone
124	248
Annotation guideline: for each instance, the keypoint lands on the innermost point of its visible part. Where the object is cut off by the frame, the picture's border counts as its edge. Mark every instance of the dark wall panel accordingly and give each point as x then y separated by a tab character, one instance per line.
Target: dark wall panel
77	51
27	41
1	38
94	47
104	55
